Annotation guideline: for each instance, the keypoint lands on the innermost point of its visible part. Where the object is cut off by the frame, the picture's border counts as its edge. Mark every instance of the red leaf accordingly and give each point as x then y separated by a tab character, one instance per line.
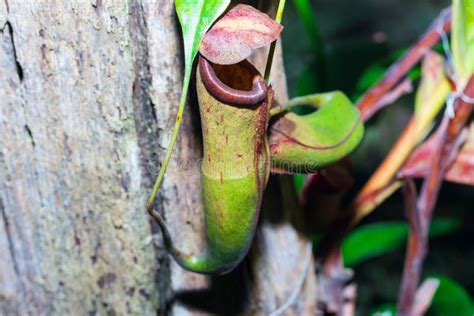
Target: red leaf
237	34
419	162
461	170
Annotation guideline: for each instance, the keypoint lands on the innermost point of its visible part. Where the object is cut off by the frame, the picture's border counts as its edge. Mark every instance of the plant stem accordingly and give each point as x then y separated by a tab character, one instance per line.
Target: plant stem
420	211
279	16
329	250
368	103
174	136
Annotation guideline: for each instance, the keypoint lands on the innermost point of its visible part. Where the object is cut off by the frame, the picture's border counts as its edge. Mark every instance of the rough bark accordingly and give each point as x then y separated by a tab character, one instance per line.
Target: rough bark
75	237
88	96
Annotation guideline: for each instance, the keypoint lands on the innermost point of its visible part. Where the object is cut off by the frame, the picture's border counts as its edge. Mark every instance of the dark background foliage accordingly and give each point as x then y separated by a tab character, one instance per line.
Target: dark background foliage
358	41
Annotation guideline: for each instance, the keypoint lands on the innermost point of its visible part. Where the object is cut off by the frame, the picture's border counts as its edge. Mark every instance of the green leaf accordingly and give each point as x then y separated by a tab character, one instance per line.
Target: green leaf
299	179
376	71
196	17
309	80
369	78
384	310
306	15
451	299
377	239
432	92
440	227
462	41
414	73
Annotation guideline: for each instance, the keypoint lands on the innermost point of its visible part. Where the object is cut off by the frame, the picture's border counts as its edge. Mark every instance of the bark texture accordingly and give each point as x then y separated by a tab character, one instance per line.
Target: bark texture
88	95
74	235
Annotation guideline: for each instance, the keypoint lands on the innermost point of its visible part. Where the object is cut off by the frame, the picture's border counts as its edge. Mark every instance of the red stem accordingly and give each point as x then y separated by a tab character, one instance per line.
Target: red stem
420	213
368	106
329	250
369	101
415	253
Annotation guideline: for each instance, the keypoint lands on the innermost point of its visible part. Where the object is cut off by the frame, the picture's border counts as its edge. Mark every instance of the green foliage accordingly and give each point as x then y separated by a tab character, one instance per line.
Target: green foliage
375	72
371	76
309	81
305	13
299	182
463	36
377	239
385	310
450	299
196	17
312	79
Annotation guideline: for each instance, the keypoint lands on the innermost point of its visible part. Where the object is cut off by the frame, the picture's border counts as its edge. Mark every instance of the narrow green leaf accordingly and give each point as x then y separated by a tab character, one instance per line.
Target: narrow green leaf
451	299
462	39
312	78
196	17
307	17
432	92
377	239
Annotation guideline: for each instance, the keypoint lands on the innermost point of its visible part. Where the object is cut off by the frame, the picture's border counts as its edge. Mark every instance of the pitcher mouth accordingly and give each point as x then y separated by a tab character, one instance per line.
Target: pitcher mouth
246	88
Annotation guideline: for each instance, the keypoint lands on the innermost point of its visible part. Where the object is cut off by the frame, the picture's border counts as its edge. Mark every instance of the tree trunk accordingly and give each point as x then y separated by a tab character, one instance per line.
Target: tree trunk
88	96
